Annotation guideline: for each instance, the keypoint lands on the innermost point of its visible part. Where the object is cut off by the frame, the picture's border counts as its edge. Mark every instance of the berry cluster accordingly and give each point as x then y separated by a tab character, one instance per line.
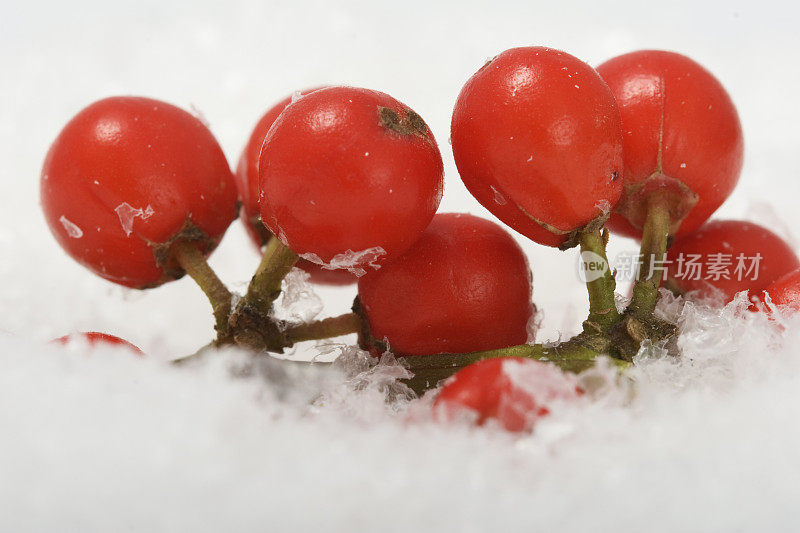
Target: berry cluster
345	183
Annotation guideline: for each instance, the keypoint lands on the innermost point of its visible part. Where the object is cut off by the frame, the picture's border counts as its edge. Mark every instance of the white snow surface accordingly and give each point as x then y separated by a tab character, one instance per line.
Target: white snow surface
101	440
94	440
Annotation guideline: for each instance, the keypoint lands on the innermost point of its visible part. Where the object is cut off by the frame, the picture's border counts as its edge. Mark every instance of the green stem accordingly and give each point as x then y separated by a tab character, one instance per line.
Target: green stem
602	303
191	259
323	329
265	286
428	370
653	250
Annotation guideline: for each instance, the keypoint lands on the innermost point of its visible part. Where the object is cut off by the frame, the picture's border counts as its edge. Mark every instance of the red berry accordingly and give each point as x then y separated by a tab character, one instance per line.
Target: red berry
128	177
681	134
349	177
513	391
537	140
732	256
785	291
463	286
247	183
94	338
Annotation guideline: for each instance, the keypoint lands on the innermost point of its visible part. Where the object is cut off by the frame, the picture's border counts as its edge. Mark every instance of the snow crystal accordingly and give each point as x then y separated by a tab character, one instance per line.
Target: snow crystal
604	206
371	389
298	300
127	213
354	262
71	228
542	381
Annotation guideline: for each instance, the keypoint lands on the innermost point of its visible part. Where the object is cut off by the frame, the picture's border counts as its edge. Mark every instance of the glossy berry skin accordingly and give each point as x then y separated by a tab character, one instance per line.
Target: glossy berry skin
126	178
94	338
512	391
785	291
247	183
349	177
464	286
537	141
730	238
678	123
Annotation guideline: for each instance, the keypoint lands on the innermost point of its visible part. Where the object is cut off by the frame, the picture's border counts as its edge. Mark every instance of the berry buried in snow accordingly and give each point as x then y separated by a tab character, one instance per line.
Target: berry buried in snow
512	391
537	141
94	338
247	183
129	177
349	177
463	286
682	139
727	257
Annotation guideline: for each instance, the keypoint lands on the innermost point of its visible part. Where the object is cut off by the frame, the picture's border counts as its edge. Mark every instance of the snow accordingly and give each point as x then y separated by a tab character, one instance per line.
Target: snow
107	441
102	439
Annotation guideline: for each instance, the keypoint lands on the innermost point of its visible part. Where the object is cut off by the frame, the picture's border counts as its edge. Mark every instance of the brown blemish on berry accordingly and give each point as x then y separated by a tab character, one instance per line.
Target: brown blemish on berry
189	232
410	124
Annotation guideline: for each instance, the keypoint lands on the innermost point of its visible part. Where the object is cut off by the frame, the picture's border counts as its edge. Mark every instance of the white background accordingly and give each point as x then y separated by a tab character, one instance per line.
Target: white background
231	60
